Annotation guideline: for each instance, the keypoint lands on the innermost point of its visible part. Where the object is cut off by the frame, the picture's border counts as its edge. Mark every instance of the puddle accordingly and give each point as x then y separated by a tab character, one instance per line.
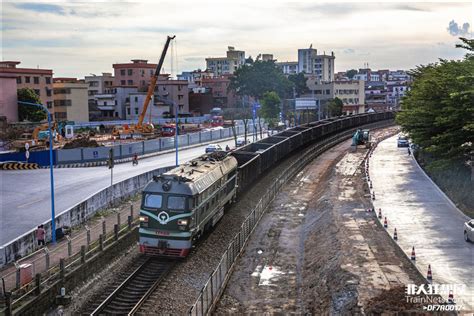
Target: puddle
267	275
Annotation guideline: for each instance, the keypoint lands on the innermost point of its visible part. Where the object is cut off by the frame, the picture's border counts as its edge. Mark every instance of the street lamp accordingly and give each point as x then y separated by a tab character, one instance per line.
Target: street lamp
176	132
53	223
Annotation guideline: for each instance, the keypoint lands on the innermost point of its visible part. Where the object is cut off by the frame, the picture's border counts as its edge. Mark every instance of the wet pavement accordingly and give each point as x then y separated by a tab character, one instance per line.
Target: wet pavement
424	218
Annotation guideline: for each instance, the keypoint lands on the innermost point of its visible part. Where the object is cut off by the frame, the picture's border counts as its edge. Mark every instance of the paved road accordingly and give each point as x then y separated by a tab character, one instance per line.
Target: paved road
424	218
26	199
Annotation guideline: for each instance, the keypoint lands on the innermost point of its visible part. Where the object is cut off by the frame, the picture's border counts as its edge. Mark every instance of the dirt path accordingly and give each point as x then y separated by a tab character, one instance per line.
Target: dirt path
317	250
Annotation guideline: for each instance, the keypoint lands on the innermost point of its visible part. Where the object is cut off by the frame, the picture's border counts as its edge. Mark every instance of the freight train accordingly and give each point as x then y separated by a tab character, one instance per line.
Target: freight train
178	206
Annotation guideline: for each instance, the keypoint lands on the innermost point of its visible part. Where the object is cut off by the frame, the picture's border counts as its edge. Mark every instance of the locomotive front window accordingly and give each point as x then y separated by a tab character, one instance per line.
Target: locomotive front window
153	200
176	202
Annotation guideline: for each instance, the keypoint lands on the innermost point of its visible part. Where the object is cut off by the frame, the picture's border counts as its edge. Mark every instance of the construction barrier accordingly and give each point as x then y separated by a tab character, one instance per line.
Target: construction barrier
18	166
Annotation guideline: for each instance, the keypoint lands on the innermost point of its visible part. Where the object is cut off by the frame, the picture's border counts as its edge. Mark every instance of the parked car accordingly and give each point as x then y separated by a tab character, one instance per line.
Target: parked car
240	142
212	148
469	230
402	141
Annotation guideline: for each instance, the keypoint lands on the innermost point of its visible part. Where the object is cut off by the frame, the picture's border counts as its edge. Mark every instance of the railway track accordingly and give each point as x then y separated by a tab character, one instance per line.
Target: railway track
129	296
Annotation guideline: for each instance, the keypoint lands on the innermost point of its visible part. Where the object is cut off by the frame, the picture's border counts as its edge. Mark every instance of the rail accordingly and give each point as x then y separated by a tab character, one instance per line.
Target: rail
213	288
128	297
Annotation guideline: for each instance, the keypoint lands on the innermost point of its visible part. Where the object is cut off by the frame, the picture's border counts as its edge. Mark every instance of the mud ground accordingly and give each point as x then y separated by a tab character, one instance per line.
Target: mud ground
317	250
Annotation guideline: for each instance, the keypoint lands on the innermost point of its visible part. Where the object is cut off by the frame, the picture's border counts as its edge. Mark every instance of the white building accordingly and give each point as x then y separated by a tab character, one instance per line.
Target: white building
226	65
322	66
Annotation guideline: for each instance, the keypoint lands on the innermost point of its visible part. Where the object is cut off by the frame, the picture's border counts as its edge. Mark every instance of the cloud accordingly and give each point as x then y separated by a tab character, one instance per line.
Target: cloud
348	51
455	30
41	7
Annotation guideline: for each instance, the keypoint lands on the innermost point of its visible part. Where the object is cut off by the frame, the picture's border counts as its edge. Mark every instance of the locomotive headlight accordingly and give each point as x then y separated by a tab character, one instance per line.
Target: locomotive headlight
143	219
182	222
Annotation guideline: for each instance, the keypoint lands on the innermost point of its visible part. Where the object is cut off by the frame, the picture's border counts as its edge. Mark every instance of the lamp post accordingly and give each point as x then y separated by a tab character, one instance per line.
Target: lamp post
176	132
53	223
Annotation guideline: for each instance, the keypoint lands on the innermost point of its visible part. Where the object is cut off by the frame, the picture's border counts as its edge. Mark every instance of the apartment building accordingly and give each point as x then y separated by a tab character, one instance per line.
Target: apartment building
351	92
135	74
322	66
70	100
226	65
97	85
222	96
172	93
40	80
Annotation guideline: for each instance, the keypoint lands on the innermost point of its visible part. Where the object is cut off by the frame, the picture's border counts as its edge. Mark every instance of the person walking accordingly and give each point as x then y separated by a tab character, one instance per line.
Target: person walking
227	148
135	160
40	234
409	152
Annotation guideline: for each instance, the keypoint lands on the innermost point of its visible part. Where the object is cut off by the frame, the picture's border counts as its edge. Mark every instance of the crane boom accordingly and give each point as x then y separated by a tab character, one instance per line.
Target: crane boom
154	78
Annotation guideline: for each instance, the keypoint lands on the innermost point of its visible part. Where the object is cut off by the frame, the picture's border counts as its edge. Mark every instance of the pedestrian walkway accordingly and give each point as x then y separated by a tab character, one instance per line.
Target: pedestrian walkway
424	218
48	257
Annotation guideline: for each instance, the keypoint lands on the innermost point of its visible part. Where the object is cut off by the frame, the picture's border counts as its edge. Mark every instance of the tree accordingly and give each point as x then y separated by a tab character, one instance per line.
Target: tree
438	111
29	112
270	107
335	107
257	78
234	114
351	73
299	82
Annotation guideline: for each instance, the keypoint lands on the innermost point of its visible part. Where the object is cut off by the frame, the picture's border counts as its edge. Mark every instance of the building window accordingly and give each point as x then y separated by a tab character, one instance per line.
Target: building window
136	99
48	92
115	102
37	92
180	97
36	80
122	72
27	79
128	111
18	80
136	111
105	103
122	82
48	80
62	91
49	104
62	103
130	72
130	82
180	87
151	72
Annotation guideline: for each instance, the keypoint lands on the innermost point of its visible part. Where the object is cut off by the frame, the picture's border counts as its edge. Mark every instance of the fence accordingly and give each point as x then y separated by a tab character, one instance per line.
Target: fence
215	285
47	265
123	151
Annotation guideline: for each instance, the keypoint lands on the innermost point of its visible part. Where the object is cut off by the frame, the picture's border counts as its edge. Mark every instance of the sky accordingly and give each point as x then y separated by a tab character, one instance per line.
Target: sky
77	38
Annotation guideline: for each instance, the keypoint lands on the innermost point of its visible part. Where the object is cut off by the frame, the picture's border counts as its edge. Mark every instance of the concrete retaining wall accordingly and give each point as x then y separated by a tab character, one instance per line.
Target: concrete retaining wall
78	214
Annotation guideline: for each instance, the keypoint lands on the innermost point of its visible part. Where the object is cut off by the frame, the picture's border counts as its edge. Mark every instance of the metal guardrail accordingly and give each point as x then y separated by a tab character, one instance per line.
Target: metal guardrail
51	265
216	283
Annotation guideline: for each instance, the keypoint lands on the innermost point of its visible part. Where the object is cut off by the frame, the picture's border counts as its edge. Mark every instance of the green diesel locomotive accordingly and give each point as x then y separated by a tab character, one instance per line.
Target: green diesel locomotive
178	206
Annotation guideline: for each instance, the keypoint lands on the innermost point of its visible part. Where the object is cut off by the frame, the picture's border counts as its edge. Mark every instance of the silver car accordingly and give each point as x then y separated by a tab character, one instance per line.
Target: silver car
469	230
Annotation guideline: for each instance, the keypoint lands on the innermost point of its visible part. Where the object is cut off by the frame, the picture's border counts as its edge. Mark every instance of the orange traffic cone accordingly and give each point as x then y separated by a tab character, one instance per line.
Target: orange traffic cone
380	213
451	297
413	256
429	276
385	223
395	236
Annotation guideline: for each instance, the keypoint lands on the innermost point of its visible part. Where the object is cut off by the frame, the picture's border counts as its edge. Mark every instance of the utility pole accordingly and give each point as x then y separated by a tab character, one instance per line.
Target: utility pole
110	164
